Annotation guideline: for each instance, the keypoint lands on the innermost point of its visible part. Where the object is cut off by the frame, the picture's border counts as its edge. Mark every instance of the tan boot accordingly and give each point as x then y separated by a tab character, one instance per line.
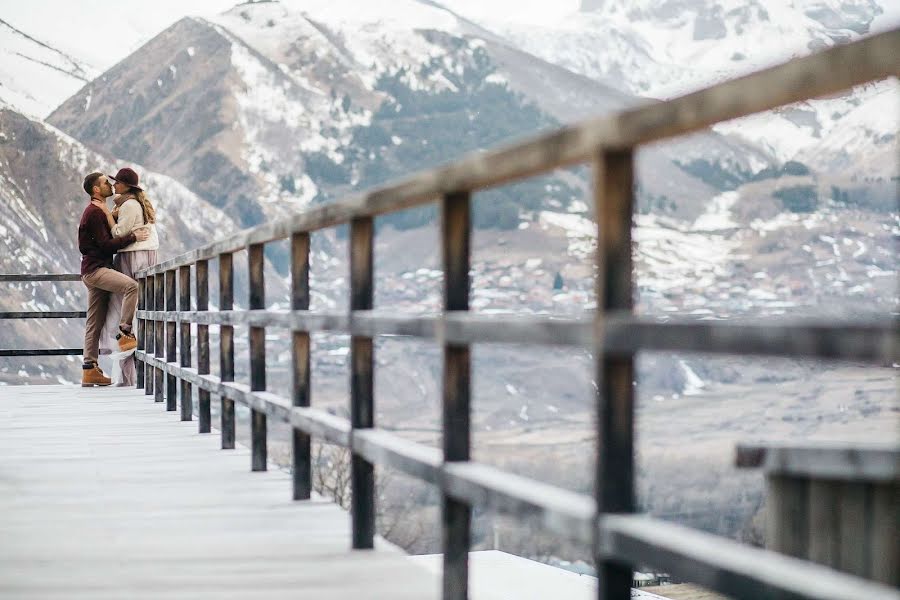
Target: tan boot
92	375
127	341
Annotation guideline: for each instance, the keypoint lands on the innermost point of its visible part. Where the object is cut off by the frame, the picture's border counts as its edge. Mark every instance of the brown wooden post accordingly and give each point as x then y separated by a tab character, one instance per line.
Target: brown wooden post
302	456
204	409
256	258
456	516
160	342
226	346
171	380
362	413
787	516
614	483
141	327
184	297
149	330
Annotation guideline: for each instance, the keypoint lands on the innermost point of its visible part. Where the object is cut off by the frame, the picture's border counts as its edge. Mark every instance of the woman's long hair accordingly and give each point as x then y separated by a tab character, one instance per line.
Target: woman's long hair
146	205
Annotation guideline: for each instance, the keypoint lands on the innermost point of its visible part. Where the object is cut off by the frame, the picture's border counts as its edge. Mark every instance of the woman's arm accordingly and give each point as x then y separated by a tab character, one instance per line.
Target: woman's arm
130	216
110	220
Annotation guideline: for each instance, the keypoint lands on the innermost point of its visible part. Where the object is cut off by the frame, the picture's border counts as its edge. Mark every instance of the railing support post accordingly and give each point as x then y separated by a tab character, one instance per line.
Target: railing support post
456	516
203	409
614	482
184	301
171	380
256	264
362	413
149	333
226	346
301	443
159	343
138	363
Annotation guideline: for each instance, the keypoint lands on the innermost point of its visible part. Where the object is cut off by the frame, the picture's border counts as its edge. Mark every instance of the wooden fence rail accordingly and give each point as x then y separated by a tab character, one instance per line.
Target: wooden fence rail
40	314
606	519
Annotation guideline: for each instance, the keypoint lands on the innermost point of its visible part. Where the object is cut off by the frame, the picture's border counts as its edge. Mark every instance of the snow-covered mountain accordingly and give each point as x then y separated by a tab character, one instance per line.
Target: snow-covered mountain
663	49
36	77
267	108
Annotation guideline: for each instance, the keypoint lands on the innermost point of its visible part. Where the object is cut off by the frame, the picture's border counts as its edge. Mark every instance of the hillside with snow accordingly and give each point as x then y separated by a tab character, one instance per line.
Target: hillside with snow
36	77
667	49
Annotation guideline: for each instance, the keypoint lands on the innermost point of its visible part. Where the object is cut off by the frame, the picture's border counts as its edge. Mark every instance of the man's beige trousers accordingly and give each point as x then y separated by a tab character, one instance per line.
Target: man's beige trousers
100	284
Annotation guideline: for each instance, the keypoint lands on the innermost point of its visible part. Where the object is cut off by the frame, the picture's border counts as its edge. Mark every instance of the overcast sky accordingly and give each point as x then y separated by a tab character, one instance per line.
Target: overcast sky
67	24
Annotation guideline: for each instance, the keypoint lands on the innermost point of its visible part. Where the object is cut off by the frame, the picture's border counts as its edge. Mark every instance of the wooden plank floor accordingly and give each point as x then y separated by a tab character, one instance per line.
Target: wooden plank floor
103	494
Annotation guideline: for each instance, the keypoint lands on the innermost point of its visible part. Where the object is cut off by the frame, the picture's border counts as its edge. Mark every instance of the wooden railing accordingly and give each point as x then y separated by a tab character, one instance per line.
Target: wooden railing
43	314
607	519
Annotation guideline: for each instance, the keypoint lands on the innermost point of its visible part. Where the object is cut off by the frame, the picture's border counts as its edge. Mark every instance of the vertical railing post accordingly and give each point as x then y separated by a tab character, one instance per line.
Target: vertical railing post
141	327
226	346
301	364
171	381
456	516
149	333
256	264
362	413
184	301
159	343
614	483
203	409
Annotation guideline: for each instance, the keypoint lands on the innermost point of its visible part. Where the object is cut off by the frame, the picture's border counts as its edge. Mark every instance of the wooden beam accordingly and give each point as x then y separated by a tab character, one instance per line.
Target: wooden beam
149	334
824	460
159	343
141	330
6	277
362	399
45	314
875	342
257	301
384	448
301	442
204	408
726	566
184	303
456	513
614	479
171	355
43	352
560	511
226	347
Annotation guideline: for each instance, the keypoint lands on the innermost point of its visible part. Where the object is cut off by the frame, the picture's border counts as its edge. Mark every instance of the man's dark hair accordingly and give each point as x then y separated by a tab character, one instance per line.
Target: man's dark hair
90	181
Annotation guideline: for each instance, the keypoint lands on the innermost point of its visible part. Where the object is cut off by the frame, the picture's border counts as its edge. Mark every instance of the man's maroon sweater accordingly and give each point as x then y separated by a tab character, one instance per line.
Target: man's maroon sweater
95	241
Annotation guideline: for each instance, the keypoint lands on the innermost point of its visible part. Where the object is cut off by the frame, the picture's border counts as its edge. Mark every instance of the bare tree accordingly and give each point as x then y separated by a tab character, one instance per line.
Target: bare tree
399	518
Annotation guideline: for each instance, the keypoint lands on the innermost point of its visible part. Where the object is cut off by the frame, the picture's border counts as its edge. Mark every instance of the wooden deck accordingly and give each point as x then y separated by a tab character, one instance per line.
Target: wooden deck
103	494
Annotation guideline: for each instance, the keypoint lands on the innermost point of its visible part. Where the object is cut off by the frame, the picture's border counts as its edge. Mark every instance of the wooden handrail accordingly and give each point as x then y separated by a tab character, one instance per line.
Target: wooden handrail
615	334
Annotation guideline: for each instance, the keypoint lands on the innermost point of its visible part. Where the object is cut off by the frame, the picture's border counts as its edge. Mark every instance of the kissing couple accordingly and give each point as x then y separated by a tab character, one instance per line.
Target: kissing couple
115	243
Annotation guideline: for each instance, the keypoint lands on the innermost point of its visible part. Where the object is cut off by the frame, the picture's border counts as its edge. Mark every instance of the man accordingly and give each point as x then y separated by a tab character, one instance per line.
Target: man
97	246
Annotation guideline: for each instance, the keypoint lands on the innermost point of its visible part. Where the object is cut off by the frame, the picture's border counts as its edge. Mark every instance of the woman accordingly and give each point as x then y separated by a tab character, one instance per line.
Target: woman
132	210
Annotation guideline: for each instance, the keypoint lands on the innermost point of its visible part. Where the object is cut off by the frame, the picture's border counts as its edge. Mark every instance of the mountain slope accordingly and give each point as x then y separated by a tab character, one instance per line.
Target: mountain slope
266	109
35	77
664	49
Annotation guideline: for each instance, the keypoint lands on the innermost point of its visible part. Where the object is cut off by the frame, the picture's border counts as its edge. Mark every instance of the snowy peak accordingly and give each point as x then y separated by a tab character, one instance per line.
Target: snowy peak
35	77
666	48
